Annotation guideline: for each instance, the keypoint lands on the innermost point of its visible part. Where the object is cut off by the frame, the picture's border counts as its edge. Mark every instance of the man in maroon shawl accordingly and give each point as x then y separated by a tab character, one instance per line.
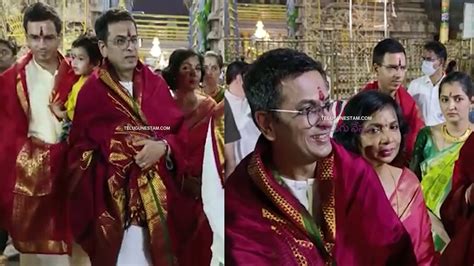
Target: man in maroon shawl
299	198
32	206
457	211
126	143
389	62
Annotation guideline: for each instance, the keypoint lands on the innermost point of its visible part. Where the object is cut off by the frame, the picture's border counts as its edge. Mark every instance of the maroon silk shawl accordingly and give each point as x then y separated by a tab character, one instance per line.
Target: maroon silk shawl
103	170
456	215
264	221
411	114
32	202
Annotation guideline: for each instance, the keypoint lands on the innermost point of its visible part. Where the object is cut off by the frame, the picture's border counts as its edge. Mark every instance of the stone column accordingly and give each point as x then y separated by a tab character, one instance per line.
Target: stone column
231	42
215	37
199	13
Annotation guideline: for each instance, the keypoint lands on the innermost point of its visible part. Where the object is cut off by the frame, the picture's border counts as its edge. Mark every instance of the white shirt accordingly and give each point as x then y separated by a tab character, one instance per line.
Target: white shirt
43	123
426	96
128	85
249	132
302	190
237	105
213	201
135	247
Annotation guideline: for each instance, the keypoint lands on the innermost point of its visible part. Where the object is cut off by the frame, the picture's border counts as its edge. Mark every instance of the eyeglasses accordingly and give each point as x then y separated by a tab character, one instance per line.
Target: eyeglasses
123	43
314	115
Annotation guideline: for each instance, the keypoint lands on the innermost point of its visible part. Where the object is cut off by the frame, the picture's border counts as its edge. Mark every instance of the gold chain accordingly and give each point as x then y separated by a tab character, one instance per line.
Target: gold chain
451	138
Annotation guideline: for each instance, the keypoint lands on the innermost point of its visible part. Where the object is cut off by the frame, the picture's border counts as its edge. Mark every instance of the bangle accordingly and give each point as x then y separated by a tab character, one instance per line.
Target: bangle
168	162
469	195
167	147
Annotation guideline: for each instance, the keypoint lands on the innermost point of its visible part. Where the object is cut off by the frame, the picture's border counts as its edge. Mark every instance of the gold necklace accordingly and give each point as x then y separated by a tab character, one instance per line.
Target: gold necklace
451	138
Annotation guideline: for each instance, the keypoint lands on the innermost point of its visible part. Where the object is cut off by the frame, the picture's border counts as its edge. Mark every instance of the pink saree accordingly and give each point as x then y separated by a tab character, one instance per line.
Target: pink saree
407	201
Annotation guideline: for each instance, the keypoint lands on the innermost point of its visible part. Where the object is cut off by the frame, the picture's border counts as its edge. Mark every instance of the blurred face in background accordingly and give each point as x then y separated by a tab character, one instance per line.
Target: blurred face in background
212	71
6	57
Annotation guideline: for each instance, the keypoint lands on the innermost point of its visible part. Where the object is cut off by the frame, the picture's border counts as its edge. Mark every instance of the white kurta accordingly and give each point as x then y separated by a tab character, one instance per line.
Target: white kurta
43	124
46	127
135	247
135	244
213	201
302	190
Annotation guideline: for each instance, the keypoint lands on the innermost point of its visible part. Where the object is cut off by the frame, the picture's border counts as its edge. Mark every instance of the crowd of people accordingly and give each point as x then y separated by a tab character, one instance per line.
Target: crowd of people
105	161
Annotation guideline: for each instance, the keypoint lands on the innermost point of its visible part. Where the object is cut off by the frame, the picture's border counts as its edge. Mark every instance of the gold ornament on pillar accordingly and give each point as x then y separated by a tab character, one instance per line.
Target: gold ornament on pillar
122	4
444	26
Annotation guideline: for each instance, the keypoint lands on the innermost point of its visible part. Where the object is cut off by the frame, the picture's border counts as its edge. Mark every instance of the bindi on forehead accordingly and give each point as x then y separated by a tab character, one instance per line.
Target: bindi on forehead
41	31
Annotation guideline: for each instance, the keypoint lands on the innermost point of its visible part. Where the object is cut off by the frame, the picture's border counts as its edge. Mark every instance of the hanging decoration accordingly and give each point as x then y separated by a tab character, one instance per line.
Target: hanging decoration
350	20
205	7
394	14
292	15
385	19
444	27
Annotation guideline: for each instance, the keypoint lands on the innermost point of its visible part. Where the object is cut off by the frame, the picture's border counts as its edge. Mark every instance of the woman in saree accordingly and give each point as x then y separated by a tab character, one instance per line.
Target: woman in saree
457	212
183	75
378	135
437	149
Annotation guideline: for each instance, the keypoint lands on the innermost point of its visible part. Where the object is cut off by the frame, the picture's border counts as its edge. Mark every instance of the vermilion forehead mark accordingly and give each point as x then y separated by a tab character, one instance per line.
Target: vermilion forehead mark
41	31
129	34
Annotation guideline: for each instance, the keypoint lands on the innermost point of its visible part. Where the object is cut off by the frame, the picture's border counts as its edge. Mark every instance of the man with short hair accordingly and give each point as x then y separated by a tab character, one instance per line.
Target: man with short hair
425	89
235	95
32	202
299	198
390	65
8	52
126	145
